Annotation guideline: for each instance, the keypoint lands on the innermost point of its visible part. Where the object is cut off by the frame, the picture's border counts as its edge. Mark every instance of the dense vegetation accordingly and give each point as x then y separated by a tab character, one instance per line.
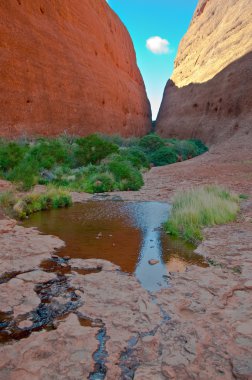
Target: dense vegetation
21	207
194	209
95	163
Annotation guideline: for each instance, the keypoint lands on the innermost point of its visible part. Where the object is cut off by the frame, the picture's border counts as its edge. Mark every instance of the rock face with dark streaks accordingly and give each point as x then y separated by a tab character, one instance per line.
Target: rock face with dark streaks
68	66
209	95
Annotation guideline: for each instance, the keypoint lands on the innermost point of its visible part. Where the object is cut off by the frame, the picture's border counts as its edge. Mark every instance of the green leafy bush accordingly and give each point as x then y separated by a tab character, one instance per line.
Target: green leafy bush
48	153
121	141
126	176
70	162
151	143
197	208
25	174
93	149
10	155
163	156
136	156
99	183
185	149
201	147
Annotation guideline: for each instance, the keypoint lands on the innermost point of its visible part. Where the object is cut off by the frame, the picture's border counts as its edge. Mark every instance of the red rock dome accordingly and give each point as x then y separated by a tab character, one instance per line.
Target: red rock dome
68	66
209	95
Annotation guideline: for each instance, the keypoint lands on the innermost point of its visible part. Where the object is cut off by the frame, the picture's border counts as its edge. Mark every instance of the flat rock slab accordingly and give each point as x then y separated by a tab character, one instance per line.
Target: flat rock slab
18	297
23	249
65	353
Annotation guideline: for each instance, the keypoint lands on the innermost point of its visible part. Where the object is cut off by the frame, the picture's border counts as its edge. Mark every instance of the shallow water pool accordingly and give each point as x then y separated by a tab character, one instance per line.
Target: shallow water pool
129	234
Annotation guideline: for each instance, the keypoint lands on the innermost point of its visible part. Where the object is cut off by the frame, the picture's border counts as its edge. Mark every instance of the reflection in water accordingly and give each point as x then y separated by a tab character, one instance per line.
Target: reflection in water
128	234
175	264
149	217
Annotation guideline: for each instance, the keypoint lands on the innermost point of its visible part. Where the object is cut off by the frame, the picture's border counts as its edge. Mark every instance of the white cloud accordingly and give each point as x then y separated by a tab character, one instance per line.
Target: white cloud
158	45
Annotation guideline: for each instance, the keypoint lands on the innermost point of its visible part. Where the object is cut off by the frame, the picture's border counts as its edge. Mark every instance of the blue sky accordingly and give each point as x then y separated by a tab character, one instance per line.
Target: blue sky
167	19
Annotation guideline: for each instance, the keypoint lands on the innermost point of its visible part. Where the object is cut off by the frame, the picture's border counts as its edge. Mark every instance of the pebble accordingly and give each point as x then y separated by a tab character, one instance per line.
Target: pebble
25	324
153	262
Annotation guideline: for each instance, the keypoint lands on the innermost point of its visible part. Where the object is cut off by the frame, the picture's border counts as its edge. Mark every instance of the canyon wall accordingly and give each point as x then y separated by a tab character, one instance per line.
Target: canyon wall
209	95
68	66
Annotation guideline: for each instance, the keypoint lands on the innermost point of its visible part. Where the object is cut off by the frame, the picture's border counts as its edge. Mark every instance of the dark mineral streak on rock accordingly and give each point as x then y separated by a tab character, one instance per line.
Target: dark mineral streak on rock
100	357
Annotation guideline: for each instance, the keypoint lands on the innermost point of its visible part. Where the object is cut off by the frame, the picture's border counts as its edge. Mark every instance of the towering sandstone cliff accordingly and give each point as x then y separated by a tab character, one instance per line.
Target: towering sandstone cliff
68	65
209	95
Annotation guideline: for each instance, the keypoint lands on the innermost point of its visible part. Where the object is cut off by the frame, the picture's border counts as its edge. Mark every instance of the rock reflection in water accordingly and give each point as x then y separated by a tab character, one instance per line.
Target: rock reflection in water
129	234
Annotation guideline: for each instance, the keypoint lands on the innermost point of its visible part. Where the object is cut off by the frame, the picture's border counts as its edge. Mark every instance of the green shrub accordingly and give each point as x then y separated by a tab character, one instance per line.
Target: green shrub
170	142
185	149
99	183
130	142
45	154
10	155
78	179
70	162
121	141
151	143
48	153
93	169
126	176
136	156
114	139
197	208
25	174
201	147
60	176
93	149
163	156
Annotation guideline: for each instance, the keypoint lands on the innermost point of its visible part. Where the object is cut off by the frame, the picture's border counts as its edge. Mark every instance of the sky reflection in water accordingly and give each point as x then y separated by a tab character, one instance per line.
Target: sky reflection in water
128	234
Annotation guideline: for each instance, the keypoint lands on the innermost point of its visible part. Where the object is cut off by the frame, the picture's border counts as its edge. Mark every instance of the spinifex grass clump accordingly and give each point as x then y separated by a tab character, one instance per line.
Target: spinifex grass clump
194	209
34	202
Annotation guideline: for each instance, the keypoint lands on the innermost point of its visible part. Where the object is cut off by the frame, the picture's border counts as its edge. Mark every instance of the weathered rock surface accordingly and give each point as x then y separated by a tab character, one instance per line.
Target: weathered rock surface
36	299
68	67
209	336
127	313
209	94
60	354
17	294
23	249
198	328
